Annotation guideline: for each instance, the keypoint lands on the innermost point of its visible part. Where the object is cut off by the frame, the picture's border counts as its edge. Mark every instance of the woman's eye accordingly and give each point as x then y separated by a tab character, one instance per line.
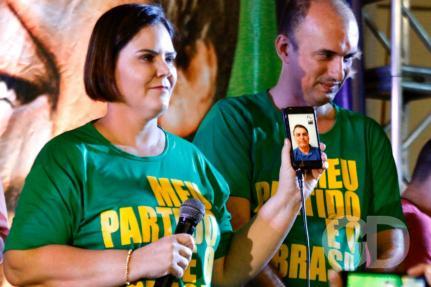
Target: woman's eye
170	59
147	58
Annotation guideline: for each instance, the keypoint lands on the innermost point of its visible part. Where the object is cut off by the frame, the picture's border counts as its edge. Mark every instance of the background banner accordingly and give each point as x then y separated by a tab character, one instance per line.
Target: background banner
225	48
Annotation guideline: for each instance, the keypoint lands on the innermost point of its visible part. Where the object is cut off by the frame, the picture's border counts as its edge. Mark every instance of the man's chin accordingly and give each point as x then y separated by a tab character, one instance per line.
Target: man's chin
325	99
317	98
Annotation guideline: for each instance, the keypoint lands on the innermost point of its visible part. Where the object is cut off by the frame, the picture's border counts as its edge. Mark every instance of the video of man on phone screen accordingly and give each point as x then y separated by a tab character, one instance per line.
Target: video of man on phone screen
304	137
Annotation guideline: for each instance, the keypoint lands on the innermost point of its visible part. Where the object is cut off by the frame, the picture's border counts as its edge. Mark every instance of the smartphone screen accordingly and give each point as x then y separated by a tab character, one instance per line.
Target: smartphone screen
301	129
359	279
371	279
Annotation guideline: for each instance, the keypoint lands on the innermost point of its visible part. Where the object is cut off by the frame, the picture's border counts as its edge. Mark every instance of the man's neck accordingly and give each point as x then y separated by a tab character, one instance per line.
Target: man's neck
305	150
281	97
326	116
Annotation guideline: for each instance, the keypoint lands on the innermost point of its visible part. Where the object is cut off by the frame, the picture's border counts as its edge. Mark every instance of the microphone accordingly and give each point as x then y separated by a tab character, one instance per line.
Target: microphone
191	212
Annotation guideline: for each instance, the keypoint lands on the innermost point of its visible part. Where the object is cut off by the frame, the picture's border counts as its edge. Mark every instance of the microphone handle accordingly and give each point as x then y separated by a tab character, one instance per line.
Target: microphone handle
165	281
183	226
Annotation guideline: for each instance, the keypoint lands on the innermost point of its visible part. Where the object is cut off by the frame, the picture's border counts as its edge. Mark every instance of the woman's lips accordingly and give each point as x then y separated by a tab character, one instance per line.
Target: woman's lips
160	88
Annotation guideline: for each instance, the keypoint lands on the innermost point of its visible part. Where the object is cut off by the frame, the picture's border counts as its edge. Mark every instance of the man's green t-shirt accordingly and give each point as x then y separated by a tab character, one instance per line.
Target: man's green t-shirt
85	192
243	138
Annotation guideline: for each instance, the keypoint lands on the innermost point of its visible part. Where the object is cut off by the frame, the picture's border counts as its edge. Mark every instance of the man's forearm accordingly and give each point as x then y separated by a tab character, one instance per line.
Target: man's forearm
268	277
390	250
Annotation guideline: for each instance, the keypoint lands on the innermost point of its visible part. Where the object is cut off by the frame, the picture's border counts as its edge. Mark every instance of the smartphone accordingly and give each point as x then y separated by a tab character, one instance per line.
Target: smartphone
359	279
301	129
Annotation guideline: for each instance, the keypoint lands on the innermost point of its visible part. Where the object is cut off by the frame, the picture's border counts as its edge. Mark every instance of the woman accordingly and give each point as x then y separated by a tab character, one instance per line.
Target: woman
99	205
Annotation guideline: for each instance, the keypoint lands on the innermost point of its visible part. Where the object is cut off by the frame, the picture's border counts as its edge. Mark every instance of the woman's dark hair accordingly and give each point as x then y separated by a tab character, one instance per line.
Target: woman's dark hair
112	32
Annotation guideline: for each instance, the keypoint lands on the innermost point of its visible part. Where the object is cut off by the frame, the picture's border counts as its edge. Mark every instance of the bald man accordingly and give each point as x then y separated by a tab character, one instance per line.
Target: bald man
317	43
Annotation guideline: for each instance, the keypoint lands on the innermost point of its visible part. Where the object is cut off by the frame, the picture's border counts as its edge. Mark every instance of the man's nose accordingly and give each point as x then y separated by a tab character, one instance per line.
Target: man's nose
336	69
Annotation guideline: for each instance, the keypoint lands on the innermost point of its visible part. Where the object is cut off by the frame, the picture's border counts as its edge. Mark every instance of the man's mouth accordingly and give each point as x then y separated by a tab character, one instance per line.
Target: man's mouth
330	87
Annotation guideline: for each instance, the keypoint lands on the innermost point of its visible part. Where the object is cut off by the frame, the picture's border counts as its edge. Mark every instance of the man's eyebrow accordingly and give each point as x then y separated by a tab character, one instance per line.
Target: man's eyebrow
325	51
355	55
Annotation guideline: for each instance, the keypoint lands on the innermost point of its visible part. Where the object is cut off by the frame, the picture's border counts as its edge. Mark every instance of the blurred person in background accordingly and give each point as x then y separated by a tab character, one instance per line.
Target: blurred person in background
416	202
317	44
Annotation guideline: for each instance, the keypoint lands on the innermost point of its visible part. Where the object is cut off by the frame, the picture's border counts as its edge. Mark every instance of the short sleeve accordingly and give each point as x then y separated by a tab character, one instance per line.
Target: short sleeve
48	205
386	200
220	197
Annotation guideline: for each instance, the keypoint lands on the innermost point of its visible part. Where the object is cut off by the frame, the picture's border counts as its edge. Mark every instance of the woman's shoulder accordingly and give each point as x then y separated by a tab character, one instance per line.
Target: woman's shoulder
67	143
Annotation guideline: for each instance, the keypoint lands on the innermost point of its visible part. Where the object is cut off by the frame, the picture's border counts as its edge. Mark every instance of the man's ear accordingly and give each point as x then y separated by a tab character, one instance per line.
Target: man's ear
282	46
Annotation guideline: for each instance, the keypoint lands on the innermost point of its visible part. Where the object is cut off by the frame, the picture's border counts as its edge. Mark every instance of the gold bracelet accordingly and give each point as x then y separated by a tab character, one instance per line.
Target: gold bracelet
129	256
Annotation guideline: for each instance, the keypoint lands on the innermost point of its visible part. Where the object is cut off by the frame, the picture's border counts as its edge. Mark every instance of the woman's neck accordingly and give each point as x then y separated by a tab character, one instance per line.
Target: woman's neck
135	135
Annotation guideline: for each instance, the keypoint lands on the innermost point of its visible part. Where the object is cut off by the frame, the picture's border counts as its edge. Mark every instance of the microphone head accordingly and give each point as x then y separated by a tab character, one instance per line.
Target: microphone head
192	209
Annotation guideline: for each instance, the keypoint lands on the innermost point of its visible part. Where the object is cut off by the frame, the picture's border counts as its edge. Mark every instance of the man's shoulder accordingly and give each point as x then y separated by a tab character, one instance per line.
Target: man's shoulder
350	114
355	117
248	101
251	108
229	116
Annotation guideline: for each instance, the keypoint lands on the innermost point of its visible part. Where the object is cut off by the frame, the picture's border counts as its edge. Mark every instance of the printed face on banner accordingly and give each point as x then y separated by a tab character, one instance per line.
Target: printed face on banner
42	56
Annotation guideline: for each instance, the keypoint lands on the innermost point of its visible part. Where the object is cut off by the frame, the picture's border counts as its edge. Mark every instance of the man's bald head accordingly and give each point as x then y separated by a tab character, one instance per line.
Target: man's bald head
294	12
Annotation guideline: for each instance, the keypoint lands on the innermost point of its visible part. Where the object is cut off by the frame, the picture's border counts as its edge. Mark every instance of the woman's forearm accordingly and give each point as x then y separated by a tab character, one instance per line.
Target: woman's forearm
254	245
60	265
